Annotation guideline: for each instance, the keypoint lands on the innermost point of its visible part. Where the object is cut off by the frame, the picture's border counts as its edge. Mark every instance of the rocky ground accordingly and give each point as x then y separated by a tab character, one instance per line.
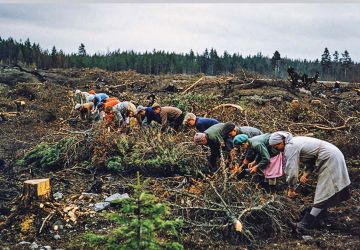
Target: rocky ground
80	185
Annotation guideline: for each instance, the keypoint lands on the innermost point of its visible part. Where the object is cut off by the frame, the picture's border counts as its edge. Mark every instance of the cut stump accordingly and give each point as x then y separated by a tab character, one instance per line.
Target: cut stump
36	190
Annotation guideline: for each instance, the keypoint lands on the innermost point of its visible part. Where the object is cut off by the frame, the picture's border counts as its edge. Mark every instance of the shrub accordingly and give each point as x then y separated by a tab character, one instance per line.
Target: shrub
43	156
153	152
54	156
189	102
116	163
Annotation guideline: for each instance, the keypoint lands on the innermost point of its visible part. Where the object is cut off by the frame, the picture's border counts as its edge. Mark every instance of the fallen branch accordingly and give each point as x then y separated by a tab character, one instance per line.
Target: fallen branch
226	105
193	85
76	132
45	220
323	127
259	207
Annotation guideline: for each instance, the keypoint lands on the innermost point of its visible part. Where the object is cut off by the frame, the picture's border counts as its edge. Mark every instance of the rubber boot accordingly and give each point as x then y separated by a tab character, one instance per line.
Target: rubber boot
272	189
321	218
306	223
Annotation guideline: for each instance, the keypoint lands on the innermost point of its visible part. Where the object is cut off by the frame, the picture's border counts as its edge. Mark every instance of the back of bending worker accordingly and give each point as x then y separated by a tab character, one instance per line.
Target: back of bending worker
320	157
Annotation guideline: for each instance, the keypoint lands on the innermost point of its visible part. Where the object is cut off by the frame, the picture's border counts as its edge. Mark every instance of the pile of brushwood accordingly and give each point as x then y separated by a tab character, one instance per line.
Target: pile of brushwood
149	152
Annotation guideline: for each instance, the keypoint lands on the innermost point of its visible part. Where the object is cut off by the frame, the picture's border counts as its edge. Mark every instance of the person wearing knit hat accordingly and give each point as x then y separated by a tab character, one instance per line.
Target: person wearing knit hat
261	157
146	115
319	157
201	123
139	109
230	130
240	139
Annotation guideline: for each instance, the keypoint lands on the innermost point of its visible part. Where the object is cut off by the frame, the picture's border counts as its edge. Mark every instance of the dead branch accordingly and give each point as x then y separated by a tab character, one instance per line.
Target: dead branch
193	85
226	105
199	208
51	214
76	132
259	207
323	127
220	197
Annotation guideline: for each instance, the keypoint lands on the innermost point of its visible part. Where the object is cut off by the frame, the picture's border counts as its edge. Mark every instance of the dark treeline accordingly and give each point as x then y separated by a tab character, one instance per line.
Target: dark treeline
337	66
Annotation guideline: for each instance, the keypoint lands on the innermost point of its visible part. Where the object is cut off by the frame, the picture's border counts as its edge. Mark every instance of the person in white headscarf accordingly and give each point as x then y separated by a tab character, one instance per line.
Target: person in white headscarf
123	111
320	157
82	97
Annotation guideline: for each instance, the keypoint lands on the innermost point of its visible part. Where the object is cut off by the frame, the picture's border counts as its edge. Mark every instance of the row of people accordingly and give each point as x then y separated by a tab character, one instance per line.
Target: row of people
272	154
268	154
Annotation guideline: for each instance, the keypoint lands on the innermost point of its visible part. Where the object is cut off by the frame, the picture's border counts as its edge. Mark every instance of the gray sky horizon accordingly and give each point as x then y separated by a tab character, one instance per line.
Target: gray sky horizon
297	31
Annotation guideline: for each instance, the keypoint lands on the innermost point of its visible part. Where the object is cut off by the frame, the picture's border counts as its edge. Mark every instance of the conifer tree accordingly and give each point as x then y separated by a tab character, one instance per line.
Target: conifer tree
54	57
82	51
275	61
142	224
326	61
335	64
345	62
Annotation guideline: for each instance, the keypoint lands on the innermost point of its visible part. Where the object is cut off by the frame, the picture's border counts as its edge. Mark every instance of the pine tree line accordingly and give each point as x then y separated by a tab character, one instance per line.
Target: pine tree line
157	62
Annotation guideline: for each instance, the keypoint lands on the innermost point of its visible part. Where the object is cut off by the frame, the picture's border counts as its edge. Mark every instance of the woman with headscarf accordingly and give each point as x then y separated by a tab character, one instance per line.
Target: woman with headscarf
261	156
123	111
319	157
230	130
213	137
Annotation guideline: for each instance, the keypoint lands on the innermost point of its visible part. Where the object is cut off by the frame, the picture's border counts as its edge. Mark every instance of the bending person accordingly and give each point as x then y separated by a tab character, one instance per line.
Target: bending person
123	111
230	130
146	115
201	123
263	157
320	157
170	116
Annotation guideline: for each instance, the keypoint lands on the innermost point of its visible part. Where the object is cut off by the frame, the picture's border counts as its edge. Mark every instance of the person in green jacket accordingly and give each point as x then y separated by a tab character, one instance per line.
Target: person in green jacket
230	130
213	137
261	152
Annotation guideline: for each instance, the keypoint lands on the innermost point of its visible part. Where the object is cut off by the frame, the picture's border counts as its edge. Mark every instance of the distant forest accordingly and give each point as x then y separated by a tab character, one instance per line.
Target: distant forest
332	66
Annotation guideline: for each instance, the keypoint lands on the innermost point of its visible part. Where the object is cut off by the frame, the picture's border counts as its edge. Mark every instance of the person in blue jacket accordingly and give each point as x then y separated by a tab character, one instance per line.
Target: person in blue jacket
99	98
201	123
147	115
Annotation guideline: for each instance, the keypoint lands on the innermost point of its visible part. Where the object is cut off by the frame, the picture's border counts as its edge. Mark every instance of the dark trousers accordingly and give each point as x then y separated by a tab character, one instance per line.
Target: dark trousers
176	124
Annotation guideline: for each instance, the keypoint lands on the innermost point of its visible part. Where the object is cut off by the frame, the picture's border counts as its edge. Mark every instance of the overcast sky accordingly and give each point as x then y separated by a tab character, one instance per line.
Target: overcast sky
296	30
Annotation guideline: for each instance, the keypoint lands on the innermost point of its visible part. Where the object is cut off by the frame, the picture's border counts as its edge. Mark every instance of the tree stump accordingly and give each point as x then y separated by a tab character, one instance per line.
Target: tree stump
35	190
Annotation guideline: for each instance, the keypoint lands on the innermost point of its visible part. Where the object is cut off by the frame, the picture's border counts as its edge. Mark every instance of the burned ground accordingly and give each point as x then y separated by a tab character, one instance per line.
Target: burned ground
91	160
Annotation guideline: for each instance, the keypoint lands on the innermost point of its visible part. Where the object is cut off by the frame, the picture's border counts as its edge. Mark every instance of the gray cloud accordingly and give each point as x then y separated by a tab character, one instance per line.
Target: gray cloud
296	30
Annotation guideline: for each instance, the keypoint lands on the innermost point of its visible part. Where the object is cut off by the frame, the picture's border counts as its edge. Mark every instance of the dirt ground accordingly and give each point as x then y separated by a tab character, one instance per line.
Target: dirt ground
49	116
